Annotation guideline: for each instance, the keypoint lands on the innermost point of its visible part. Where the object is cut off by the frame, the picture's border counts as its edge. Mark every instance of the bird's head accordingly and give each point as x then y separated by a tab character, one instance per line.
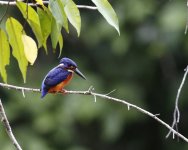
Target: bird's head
71	66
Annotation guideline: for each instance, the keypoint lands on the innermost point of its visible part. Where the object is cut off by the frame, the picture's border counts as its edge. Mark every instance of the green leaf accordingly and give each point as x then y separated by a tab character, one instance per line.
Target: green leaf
4	54
14	30
56	32
108	13
60	45
33	20
45	18
30	48
39	2
57	9
73	15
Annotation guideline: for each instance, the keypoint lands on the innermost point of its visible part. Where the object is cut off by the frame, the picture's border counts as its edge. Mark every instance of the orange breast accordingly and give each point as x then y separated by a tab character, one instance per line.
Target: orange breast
61	85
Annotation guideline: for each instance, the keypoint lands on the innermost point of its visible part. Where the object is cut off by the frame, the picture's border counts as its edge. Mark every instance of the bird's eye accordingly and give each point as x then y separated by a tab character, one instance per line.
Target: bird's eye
72	67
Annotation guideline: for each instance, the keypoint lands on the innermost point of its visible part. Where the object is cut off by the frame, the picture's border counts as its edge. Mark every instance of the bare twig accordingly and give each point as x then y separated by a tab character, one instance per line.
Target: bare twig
7	126
176	115
154	116
87	7
19	88
46	2
111	92
106	97
23	93
186	27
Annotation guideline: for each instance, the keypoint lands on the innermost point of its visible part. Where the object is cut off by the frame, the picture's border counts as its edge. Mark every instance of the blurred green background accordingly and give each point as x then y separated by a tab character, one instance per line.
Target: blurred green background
145	65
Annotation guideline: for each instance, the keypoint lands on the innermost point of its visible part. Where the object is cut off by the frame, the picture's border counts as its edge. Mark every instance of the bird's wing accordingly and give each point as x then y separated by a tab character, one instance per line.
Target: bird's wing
55	76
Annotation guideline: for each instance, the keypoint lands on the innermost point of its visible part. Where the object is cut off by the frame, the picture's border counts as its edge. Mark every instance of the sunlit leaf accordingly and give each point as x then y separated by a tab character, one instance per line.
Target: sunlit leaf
39	2
33	19
45	18
55	33
57	9
60	44
4	54
30	48
73	14
108	12
14	30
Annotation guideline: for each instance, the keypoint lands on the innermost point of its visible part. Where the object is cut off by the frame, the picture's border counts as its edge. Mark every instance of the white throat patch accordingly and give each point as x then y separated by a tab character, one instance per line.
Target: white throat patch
60	65
70	70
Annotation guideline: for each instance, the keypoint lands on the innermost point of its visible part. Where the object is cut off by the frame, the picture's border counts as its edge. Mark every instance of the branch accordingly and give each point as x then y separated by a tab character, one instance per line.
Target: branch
19	88
6	124
176	115
106	97
12	3
186	27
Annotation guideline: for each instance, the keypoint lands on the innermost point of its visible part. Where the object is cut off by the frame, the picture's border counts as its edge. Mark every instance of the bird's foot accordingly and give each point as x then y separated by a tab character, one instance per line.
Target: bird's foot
63	91
53	92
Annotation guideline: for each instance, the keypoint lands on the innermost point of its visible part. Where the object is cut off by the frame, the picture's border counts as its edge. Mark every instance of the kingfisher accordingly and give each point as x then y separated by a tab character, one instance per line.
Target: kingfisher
60	76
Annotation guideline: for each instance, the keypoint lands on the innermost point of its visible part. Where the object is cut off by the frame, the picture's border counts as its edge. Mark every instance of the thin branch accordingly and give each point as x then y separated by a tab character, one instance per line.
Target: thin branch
19	88
7	126
129	105
46	2
186	27
87	7
111	92
176	115
106	97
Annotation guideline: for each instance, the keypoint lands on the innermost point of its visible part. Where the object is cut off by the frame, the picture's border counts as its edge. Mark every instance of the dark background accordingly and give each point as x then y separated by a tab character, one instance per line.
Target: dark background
145	64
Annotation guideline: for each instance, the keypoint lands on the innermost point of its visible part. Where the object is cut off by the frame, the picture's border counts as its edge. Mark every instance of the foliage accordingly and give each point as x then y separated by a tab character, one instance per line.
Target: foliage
30	48
107	11
73	14
15	32
45	22
4	54
145	65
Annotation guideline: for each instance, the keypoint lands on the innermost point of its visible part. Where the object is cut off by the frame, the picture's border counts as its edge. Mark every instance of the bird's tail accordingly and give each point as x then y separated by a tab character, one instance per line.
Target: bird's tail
43	92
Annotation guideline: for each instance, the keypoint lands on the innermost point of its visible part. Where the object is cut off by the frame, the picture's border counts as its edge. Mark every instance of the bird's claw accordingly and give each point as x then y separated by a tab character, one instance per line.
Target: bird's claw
63	91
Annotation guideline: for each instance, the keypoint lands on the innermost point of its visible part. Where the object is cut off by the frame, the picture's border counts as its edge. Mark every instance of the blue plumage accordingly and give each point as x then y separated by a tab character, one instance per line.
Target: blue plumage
59	76
54	77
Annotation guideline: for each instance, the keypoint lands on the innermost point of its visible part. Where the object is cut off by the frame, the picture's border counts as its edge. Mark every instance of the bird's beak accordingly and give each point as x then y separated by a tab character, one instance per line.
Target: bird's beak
79	73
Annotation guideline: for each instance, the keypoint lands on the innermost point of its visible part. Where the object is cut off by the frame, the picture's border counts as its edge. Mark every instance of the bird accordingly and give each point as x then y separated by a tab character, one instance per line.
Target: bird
60	76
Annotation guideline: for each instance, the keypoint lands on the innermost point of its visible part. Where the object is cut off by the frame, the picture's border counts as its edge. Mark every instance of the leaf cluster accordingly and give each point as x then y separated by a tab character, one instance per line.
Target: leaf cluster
45	22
